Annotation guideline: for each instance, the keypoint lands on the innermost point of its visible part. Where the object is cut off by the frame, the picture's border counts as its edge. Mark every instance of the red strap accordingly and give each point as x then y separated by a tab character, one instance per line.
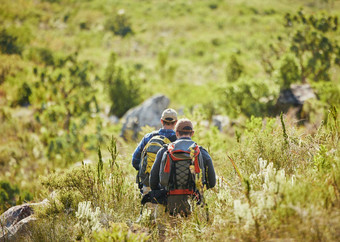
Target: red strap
167	164
181	192
197	166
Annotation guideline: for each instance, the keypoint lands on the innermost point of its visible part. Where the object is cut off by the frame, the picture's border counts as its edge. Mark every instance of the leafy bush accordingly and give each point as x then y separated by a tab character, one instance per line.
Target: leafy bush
66	98
41	56
289	72
23	95
327	92
7	195
249	97
9	43
234	69
119	24
315	50
119	232
9	66
10	195
94	196
122	86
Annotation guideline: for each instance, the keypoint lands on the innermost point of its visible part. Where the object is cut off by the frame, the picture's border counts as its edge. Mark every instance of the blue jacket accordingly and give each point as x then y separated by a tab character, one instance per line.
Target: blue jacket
169	133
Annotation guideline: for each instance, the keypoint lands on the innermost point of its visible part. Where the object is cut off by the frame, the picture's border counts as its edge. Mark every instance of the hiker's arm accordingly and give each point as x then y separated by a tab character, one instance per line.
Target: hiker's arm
138	151
154	174
211	176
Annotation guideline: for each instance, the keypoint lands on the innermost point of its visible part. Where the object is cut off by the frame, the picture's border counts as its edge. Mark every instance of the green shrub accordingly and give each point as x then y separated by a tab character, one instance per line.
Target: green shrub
327	92
312	43
9	66
249	97
119	232
289	72
9	43
41	56
119	24
234	69
10	195
53	228
123	88
23	95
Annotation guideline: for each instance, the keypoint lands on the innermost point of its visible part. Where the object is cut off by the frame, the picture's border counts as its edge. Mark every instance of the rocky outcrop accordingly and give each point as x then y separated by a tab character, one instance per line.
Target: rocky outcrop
291	100
221	122
148	113
14	223
295	96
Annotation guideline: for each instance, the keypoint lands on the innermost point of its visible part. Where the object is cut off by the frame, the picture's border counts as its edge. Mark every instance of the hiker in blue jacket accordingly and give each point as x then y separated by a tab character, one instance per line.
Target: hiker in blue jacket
168	121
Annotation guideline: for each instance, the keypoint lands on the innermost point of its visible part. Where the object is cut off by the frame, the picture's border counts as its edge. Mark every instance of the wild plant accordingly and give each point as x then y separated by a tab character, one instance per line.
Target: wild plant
88	219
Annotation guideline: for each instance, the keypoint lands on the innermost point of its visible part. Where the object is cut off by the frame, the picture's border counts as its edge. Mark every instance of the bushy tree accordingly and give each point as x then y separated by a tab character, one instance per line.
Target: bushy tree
66	99
24	94
234	69
249	97
289	72
67	89
119	24
312	44
9	43
124	91
41	55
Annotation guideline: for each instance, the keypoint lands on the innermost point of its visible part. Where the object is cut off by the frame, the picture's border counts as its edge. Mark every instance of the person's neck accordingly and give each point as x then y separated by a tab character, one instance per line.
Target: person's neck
184	136
167	127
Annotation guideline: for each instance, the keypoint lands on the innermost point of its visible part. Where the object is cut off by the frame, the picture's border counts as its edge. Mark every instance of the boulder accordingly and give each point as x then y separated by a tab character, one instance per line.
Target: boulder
295	97
147	113
220	121
15	221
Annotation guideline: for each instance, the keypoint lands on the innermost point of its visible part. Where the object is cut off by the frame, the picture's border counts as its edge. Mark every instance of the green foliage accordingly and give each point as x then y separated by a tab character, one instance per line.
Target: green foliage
289	72
113	153
291	172
41	56
123	87
7	195
23	95
9	66
100	166
249	97
10	195
327	92
71	91
321	160
9	44
91	196
312	45
65	96
119	24
234	69
53	228
119	232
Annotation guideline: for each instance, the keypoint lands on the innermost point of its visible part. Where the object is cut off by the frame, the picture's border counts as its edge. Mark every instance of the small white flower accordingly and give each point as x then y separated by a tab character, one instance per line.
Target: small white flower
121	12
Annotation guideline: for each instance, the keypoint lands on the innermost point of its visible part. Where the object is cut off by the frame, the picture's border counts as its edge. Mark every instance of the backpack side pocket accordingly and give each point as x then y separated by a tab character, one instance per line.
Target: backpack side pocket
165	169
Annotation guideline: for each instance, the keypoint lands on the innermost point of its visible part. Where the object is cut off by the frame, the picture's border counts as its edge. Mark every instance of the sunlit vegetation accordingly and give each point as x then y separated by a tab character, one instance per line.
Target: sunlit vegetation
67	66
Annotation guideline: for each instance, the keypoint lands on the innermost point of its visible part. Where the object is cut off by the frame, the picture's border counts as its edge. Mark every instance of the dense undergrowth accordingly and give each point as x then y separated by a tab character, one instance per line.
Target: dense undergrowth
67	66
285	184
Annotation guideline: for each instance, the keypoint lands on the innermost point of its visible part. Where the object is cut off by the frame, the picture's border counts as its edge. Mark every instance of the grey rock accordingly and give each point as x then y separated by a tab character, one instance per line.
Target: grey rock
220	121
15	221
147	113
296	95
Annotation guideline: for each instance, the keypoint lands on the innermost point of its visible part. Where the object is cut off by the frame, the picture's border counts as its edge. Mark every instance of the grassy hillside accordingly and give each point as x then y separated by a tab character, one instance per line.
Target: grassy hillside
65	66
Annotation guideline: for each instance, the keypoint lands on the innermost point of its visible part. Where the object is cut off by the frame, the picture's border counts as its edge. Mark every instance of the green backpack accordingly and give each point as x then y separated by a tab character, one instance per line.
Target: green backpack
148	157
